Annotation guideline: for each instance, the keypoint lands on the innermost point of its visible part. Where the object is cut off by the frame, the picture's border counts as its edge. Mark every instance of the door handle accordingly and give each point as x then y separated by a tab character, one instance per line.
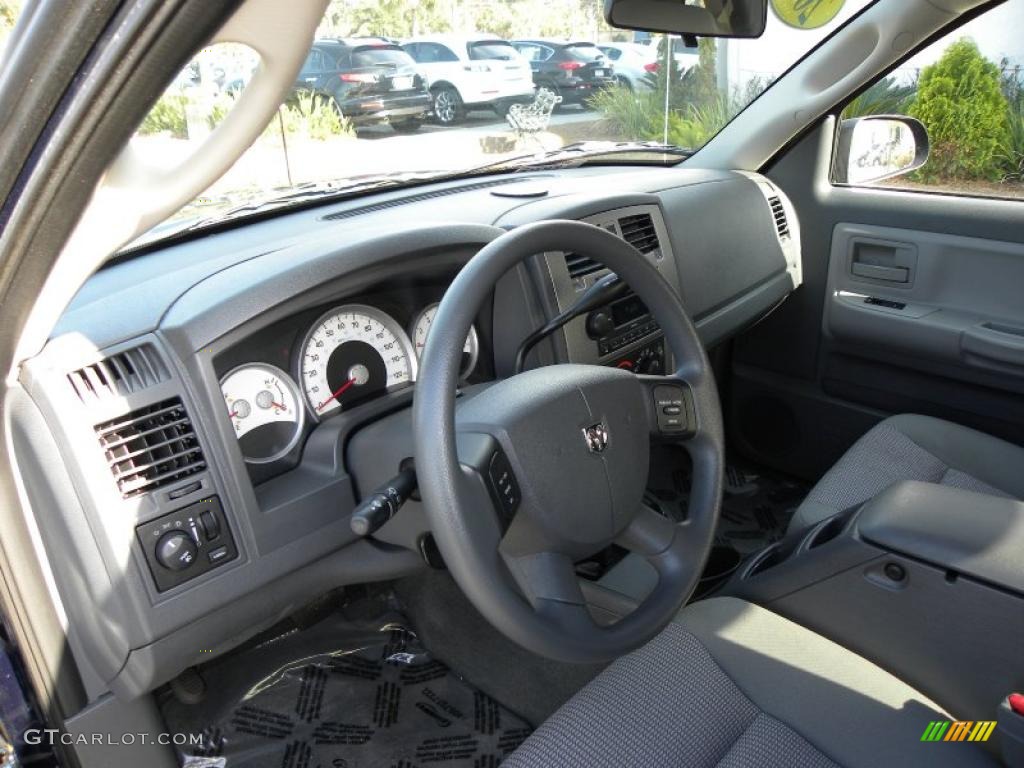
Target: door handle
878	272
882	260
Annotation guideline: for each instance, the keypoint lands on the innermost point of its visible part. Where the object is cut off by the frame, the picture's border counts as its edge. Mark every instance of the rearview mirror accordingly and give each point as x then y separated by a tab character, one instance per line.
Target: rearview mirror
703	18
879	147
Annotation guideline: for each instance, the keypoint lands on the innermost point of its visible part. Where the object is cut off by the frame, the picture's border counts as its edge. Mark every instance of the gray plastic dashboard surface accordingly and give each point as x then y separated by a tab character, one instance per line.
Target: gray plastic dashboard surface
196	299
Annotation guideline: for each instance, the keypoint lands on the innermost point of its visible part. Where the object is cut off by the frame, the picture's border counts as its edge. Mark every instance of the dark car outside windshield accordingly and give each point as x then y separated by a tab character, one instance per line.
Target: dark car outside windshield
379	55
583	52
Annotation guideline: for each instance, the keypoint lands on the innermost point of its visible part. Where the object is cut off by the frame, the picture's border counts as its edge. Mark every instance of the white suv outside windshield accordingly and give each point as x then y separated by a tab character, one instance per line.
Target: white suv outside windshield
394	92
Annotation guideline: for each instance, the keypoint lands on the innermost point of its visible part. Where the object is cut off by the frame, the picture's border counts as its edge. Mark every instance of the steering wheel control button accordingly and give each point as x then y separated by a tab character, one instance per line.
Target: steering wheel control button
674	407
503	484
186	543
176	551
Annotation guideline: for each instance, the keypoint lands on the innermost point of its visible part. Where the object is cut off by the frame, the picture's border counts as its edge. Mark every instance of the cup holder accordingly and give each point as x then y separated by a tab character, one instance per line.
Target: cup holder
798	544
826	532
765	560
722	564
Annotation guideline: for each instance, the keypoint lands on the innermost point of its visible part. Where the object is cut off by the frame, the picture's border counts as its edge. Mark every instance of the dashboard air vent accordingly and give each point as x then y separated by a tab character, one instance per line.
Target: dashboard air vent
122	374
151	447
580	266
779	213
639	232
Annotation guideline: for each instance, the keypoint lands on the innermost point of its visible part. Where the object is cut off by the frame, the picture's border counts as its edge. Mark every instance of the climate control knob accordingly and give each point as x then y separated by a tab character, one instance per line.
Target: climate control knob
176	551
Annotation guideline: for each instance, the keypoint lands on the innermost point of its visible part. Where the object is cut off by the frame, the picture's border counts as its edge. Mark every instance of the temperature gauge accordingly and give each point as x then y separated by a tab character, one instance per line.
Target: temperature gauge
420	329
265	410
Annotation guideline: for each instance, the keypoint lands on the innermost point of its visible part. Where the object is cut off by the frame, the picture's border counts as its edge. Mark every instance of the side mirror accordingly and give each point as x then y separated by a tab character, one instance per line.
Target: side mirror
703	18
879	147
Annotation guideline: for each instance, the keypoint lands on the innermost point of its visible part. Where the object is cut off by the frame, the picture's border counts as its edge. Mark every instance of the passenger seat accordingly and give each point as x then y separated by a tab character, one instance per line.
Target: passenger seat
910	447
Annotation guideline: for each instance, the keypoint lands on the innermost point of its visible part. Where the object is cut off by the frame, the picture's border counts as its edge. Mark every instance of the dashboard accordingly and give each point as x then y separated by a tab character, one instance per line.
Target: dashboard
207	415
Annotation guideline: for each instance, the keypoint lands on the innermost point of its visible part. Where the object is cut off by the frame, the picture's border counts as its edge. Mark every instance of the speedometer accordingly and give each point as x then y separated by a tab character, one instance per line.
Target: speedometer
351	354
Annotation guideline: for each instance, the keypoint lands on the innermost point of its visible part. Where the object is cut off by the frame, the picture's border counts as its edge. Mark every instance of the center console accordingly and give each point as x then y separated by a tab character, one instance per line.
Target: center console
622	333
925	580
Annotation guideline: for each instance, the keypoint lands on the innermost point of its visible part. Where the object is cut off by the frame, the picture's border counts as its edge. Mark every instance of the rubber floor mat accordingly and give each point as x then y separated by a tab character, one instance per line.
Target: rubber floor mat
757	503
378	700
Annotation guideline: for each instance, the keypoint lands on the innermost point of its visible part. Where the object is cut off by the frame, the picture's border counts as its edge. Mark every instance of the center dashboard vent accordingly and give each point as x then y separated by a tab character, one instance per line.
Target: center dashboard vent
637	230
580	266
151	447
779	214
122	374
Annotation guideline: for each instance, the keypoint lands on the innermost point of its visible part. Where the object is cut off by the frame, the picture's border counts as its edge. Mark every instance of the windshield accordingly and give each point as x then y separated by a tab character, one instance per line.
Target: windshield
396	93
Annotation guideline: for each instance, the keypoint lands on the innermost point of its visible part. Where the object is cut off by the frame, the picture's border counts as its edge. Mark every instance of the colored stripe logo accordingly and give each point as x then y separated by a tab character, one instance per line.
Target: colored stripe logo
965	730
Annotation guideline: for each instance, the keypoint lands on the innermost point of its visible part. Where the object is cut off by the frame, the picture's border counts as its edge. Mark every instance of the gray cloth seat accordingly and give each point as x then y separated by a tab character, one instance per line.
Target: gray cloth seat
911	447
732	685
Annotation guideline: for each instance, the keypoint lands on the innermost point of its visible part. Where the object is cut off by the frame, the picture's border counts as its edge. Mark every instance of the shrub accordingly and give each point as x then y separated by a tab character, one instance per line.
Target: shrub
885	97
1011	153
627	114
309	115
691	123
960	102
319	118
168	114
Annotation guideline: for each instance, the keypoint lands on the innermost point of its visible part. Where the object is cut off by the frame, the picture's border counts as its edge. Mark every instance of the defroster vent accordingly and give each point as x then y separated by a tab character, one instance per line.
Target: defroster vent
779	214
151	447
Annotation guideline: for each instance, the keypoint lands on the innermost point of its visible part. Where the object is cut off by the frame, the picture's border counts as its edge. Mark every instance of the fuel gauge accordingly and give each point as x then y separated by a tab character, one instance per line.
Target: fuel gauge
265	410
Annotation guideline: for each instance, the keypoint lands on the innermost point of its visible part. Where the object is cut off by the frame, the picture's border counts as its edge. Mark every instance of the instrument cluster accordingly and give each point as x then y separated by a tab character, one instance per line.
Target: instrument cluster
349	355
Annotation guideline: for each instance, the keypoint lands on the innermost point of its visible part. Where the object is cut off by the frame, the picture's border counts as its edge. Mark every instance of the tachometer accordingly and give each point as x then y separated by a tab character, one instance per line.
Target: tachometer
420	328
354	353
265	410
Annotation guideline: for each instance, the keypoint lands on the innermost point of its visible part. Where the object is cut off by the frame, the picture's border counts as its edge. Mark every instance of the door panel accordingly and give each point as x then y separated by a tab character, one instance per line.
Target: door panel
934	297
827	364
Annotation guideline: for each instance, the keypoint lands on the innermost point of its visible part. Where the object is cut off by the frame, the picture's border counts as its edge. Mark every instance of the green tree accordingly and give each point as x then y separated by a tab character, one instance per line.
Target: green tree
499	20
386	18
700	83
960	102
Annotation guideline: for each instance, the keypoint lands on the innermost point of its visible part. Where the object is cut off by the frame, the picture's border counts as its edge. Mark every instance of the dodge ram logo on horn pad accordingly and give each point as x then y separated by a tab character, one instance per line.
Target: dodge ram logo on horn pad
596	437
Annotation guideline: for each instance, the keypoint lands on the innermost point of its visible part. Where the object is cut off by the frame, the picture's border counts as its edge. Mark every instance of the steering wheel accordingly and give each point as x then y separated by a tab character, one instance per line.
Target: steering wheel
546	468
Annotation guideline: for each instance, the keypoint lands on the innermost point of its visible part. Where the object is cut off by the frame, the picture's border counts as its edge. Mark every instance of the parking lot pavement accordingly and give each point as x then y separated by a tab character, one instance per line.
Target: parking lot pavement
375	150
482	120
